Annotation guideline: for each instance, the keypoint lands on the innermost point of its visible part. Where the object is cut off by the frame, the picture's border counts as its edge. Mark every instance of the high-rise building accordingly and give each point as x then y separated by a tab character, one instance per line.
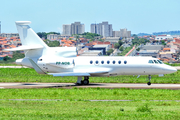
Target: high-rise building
116	33
77	28
125	33
74	28
67	30
122	33
95	28
103	29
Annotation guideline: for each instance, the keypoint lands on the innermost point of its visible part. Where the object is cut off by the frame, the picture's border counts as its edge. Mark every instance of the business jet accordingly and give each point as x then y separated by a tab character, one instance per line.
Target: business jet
63	61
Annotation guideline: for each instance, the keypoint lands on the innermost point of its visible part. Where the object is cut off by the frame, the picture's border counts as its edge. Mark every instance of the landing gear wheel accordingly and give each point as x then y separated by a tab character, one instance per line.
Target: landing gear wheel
86	82
82	82
149	83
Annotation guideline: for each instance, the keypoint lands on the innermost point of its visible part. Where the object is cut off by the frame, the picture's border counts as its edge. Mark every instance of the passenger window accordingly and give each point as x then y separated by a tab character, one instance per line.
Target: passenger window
102	62
160	61
91	62
155	61
119	62
125	62
150	61
114	62
108	62
96	62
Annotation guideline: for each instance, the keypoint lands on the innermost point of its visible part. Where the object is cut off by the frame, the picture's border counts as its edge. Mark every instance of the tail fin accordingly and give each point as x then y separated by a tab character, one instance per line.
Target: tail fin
27	35
32	45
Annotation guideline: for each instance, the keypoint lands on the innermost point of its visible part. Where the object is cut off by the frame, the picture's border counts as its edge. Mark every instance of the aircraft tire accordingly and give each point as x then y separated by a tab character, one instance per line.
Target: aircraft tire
149	83
82	82
86	82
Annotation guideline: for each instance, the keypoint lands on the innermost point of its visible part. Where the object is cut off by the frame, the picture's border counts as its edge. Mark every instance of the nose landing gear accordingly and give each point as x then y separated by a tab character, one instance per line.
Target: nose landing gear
149	77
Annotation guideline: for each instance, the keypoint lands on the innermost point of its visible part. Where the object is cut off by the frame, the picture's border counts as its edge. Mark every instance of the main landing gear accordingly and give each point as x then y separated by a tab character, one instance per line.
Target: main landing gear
149	77
83	82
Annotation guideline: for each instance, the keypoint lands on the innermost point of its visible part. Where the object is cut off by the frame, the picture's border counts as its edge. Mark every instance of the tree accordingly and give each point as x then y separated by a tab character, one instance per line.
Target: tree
121	48
88	35
6	58
109	51
17	55
52	43
138	49
120	42
44	34
116	45
100	40
134	35
163	42
77	39
136	41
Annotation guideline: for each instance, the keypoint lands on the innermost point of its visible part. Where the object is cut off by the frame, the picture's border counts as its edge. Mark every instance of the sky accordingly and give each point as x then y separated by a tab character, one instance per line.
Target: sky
138	16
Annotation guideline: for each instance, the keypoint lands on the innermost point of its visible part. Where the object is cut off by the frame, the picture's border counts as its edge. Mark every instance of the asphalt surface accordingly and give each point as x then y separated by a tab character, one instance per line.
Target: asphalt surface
91	85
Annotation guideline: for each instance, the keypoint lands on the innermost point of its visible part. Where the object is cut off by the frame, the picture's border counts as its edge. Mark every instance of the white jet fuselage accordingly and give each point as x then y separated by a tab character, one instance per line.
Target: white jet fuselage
104	66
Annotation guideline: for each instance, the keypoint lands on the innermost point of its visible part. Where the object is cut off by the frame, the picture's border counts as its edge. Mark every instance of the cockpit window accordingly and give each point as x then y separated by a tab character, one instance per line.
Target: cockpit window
150	61
160	61
155	61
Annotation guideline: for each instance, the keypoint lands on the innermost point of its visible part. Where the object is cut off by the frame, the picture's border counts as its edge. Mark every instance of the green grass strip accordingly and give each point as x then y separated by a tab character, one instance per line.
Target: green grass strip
91	94
30	75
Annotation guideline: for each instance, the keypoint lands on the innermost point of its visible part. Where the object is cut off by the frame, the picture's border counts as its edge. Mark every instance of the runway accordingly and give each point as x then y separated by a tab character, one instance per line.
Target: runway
91	85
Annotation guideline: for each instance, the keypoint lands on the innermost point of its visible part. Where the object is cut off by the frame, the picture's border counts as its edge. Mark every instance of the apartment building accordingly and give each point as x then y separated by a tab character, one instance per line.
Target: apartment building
73	28
104	29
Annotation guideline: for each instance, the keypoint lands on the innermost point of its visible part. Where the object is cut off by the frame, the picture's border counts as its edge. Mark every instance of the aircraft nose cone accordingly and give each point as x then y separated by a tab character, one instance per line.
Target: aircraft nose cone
171	69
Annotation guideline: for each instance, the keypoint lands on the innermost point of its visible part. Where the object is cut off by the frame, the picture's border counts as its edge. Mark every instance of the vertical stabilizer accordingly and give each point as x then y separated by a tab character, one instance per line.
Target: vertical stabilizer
30	40
28	36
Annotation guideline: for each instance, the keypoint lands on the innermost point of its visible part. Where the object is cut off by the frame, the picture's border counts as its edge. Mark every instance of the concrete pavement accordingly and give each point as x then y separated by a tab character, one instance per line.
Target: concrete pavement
91	85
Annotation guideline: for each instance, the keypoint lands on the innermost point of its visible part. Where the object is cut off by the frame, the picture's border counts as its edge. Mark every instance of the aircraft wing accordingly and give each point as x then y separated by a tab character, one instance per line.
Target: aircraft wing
77	73
69	74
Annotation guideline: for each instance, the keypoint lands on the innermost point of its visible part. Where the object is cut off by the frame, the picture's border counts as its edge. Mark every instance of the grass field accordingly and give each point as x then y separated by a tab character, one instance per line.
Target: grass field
30	75
59	103
90	93
75	104
9	64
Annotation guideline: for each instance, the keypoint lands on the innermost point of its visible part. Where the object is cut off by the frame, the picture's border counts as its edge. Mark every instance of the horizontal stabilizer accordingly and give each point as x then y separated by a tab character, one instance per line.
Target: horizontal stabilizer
36	67
24	47
69	74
